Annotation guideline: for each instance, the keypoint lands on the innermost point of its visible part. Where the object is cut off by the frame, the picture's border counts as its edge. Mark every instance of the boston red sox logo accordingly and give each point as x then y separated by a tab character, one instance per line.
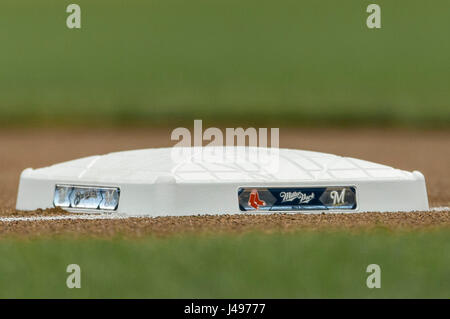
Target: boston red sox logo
254	200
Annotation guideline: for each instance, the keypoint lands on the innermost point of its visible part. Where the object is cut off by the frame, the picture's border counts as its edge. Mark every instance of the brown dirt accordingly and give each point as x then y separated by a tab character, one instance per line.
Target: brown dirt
426	151
164	226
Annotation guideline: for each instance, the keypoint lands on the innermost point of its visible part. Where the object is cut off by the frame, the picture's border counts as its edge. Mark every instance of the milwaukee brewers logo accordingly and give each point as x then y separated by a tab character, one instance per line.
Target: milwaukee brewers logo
338	199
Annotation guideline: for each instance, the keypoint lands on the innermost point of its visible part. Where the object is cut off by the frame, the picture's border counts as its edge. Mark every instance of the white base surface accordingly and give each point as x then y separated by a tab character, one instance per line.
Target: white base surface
159	182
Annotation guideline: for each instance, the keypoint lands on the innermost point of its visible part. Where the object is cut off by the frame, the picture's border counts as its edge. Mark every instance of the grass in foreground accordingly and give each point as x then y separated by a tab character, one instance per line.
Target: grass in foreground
298	265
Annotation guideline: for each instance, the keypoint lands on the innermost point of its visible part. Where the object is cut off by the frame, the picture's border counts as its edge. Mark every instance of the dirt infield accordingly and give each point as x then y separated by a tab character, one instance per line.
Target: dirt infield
163	226
426	151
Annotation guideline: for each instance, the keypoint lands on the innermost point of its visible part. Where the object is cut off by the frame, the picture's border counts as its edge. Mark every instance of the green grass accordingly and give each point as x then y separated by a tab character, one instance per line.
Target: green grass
225	61
296	265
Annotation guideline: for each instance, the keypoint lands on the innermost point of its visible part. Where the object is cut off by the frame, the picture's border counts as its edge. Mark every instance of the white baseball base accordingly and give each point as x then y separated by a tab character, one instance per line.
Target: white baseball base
216	180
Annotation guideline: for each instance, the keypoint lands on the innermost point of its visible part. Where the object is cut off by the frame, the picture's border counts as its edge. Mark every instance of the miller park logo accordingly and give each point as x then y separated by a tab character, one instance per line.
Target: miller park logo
291	196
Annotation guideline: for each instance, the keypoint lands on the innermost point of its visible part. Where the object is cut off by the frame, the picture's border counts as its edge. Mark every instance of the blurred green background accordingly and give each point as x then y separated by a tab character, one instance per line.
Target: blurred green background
234	62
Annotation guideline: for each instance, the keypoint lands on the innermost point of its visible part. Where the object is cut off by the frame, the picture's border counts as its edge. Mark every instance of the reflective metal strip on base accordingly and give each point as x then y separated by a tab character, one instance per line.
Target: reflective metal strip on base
297	198
86	197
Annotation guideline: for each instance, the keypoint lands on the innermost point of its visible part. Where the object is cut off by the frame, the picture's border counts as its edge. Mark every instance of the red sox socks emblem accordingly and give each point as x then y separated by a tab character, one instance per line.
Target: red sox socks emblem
254	200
